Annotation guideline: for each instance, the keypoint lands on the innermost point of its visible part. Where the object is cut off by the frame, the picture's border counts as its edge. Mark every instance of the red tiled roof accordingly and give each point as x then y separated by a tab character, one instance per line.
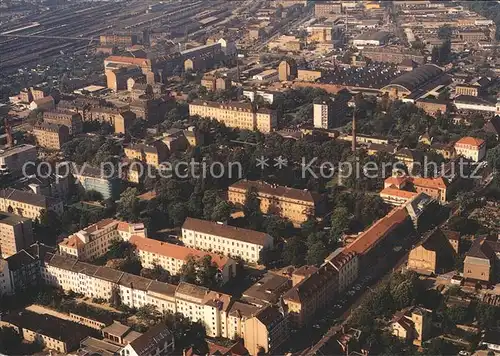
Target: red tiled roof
396	181
129	60
439	183
375	233
175	251
398	193
472	141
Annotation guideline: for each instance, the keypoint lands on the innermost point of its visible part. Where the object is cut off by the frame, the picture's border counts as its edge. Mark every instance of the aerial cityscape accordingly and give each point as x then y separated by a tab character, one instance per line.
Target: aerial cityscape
249	177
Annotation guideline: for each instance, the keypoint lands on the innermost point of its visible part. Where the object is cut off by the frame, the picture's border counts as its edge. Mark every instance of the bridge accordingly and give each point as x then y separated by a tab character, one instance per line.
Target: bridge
49	37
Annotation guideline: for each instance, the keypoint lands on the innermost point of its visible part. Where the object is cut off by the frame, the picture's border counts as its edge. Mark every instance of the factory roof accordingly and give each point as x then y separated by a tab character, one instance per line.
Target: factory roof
418	76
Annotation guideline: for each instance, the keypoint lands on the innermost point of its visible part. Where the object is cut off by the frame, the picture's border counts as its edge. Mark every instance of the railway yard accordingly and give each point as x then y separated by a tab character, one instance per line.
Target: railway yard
28	37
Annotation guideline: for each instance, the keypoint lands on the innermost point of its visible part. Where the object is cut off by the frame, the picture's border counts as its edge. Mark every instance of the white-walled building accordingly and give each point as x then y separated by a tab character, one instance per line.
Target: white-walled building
471	147
347	265
172	257
473	103
225	239
194	302
269	75
158	340
321	116
95	240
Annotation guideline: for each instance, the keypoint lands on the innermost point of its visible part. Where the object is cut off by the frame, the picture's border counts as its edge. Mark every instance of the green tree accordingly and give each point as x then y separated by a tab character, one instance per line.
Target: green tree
129	206
493	158
316	253
487	316
207	272
222	211
9	341
339	220
251	208
148	314
157	273
188	271
294	251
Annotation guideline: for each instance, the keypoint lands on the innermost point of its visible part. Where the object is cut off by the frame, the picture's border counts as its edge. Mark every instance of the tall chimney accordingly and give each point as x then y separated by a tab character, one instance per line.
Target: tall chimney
354	130
8	131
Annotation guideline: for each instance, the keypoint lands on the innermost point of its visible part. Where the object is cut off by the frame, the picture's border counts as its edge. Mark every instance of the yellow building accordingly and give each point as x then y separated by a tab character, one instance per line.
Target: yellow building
172	257
60	335
435	254
315	292
471	147
73	121
236	115
29	205
225	239
153	154
413	325
481	260
119	119
95	240
307	75
294	204
266	331
347	266
16	233
51	136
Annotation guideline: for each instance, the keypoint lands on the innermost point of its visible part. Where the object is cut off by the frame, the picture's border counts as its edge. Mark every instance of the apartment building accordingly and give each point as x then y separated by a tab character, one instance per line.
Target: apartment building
90	178
314	293
5	283
60	335
266	330
328	9
24	267
158	340
347	266
13	159
294	204
267	290
51	136
236	317
27	204
436	188
369	245
172	257
73	121
396	197
119	119
236	115
16	233
194	302
95	240
225	239
471	147
153	154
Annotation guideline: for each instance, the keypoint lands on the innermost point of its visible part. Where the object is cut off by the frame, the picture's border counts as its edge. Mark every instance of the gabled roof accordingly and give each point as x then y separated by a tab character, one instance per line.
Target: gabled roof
175	251
378	231
227	231
471	141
